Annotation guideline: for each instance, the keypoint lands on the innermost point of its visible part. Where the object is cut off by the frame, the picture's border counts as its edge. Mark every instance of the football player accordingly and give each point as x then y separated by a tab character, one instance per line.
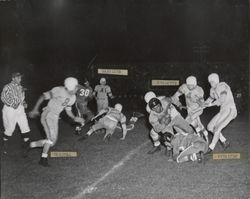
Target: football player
83	95
220	95
60	98
101	93
194	96
164	118
187	147
112	116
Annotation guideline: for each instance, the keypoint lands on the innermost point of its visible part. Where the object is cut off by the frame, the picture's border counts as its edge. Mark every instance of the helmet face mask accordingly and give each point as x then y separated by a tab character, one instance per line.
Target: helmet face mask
155	105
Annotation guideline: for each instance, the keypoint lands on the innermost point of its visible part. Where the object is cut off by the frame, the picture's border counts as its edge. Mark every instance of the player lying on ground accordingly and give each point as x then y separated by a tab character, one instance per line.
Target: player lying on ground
164	118
60	98
186	146
220	95
112	116
194	96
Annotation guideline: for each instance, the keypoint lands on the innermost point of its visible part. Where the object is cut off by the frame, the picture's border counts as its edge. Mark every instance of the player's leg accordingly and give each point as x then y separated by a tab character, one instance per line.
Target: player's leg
80	113
89	115
202	129
97	126
182	124
9	123
156	141
110	127
52	135
40	143
226	116
99	105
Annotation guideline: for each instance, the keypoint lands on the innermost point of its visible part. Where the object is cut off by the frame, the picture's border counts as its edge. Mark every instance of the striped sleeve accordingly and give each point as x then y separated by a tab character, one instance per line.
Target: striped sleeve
9	96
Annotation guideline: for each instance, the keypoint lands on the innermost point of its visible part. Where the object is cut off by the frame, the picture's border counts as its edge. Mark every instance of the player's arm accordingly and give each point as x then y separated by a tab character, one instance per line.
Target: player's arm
35	111
209	101
109	92
175	99
157	126
223	89
77	119
124	127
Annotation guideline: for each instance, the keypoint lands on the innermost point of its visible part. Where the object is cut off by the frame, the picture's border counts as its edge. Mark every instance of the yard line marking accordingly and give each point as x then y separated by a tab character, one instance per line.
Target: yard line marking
91	188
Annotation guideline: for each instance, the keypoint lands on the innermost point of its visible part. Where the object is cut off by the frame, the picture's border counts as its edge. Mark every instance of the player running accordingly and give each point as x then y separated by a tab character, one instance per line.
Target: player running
194	96
60	98
220	95
83	95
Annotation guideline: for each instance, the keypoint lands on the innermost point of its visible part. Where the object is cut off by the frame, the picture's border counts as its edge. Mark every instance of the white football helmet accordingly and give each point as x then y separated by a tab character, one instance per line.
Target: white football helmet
118	107
214	77
70	83
148	96
102	81
191	80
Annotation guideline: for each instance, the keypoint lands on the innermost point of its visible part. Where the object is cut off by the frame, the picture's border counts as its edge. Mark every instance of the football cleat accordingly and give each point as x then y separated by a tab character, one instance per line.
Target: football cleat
209	151
154	150
44	162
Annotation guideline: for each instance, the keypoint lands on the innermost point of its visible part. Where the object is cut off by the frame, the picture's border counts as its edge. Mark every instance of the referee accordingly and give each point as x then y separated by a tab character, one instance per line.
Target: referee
12	96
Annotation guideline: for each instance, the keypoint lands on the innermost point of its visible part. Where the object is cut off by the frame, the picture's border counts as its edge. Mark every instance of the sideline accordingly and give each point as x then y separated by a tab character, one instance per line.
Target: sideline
91	188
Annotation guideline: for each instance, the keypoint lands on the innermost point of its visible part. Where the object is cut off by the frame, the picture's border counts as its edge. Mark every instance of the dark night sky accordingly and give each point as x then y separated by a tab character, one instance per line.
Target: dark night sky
54	38
127	31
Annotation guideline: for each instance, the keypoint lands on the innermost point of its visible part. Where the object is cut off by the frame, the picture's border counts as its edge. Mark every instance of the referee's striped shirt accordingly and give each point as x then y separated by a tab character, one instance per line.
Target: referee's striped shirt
12	94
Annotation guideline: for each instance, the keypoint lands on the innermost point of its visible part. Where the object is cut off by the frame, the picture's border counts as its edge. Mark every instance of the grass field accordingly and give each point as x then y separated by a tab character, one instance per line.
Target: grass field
123	169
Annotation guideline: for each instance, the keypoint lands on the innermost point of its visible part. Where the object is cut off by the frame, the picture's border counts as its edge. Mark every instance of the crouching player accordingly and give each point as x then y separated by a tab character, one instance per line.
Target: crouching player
112	116
60	98
164	118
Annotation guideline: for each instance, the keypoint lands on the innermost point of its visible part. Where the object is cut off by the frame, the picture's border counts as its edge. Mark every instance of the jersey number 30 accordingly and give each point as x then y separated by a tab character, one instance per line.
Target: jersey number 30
84	92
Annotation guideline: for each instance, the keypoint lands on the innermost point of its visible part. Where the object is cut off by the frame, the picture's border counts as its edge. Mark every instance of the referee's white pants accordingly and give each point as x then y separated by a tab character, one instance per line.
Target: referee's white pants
11	117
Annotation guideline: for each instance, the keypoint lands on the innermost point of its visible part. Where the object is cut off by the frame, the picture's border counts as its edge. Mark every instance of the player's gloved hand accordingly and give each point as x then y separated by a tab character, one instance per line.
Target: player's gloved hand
33	114
79	120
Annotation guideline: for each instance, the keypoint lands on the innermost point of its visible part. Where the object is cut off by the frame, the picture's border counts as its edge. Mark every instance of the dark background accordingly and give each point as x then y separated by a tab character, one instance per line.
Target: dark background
48	40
